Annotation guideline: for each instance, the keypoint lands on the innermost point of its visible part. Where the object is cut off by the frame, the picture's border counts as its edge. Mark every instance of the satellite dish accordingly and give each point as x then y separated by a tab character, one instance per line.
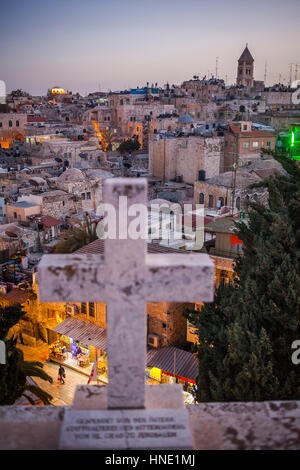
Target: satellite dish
33	182
59	160
11	234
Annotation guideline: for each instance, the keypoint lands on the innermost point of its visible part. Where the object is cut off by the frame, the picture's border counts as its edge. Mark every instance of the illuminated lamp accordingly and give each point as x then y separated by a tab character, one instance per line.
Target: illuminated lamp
294	142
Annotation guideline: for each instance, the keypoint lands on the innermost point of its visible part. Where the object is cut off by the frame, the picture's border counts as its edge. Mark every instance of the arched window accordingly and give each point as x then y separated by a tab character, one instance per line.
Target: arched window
238	203
221	199
201	198
210	201
10	123
17	124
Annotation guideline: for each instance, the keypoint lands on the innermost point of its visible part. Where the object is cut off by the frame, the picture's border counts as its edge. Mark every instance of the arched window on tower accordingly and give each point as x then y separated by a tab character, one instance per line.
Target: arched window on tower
201	198
238	203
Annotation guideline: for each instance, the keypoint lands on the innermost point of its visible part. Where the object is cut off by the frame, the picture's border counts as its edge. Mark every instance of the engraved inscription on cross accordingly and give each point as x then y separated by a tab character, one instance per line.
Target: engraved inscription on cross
125	278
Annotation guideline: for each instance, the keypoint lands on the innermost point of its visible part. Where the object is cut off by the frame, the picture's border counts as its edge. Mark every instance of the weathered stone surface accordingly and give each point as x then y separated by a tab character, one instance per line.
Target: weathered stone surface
220	426
126	429
94	397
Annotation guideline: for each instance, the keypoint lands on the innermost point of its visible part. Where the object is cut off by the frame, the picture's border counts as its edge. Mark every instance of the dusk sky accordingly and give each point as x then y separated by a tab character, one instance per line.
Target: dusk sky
115	44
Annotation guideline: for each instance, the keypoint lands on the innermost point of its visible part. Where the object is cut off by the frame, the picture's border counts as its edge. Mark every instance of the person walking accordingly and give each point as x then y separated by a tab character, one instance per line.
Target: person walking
61	374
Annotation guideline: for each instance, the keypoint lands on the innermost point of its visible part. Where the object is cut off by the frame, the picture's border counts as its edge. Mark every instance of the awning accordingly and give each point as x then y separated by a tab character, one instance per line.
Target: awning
174	361
87	333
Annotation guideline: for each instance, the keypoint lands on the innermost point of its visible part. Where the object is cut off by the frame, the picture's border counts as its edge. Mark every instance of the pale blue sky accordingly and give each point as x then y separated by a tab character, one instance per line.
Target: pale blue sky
114	44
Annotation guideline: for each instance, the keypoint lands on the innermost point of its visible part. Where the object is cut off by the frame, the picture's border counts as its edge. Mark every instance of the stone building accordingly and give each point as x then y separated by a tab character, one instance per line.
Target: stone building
241	140
20	211
245	69
86	190
12	127
217	192
183	157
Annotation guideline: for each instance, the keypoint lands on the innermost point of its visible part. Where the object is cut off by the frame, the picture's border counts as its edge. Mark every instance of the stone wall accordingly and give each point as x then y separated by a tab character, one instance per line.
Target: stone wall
271	425
185	156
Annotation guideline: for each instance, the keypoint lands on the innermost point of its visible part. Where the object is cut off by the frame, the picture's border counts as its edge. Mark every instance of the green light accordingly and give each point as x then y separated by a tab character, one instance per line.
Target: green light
295	142
293	139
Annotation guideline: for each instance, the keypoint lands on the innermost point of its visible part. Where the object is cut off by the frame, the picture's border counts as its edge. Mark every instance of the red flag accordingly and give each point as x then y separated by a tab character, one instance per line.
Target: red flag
234	240
94	371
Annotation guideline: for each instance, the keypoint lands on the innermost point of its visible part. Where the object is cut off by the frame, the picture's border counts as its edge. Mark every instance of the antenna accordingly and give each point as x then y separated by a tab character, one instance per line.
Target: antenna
217	61
291	71
265	76
296	71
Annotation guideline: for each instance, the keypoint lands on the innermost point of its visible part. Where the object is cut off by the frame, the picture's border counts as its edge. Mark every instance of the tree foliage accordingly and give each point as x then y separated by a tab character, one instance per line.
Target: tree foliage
246	334
129	145
15	372
77	237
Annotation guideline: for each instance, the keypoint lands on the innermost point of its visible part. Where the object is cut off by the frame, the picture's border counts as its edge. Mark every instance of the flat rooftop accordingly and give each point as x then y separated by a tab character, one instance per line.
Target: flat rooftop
24	204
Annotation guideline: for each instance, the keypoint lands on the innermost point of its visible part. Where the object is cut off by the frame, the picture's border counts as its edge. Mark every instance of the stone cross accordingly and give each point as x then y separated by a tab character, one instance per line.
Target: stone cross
126	277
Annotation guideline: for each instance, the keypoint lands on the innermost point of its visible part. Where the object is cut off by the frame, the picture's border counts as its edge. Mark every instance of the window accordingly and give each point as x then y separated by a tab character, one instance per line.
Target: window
17	124
88	195
121	102
91	309
268	144
0	124
83	308
10	123
15	215
201	198
83	196
245	125
238	203
255	144
63	203
221	199
246	145
210	201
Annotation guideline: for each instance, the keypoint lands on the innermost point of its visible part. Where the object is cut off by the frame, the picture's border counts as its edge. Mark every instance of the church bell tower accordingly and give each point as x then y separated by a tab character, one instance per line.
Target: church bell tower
245	70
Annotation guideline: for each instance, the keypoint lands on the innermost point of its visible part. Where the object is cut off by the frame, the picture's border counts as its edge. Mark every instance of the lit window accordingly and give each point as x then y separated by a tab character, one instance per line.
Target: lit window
246	145
255	144
83	308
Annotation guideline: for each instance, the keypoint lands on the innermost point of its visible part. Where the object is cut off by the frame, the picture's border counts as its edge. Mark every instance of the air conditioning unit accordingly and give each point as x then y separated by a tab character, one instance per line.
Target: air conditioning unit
72	309
153	340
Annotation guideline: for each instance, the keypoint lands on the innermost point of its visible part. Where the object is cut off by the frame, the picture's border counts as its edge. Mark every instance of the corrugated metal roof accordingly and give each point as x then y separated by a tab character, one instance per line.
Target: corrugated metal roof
82	331
97	247
174	361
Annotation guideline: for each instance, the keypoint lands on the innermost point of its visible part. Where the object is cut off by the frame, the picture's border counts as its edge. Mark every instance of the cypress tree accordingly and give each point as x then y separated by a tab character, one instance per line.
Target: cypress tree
246	334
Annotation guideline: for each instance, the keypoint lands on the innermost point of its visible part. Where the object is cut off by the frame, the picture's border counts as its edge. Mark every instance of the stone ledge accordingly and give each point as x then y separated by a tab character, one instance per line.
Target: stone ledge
251	425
